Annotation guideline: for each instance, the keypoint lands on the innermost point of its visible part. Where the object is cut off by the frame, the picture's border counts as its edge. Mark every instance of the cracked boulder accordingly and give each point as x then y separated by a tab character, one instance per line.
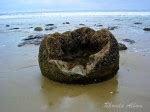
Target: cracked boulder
81	56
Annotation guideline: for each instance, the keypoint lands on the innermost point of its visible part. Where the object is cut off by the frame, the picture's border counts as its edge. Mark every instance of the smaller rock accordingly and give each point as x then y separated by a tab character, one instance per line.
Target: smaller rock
50	28
112	27
146	29
13	28
129	41
66	23
117	19
49	25
122	47
99	25
32	39
7	25
82	24
137	23
21	44
38	29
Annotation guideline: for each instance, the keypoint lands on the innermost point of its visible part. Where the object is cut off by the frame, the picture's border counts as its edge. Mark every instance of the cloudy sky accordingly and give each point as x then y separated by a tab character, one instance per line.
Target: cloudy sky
69	5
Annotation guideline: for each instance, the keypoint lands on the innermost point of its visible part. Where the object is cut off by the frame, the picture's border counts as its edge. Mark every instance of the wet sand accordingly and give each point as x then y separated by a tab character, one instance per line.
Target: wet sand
23	88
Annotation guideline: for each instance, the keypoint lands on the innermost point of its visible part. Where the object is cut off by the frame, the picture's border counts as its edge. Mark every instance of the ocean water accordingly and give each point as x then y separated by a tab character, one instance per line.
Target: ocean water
124	20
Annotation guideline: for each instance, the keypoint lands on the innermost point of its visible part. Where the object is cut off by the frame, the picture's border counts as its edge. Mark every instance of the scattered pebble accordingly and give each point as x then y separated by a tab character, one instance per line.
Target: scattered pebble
129	41
137	23
7	25
50	28
99	25
13	28
66	23
82	24
49	25
32	40
146	29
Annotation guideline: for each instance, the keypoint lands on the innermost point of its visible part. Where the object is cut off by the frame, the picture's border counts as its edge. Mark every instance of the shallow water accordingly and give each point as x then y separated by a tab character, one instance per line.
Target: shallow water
124	20
23	88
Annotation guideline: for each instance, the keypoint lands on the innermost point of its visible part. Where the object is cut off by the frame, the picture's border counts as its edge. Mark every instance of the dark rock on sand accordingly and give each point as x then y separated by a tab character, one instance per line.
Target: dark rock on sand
122	47
129	41
81	56
49	25
32	39
66	23
146	29
50	28
82	24
118	19
137	23
98	25
112	27
7	25
13	28
38	29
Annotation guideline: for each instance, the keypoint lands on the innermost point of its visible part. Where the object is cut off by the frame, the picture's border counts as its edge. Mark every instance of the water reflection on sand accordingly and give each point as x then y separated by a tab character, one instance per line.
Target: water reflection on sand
72	98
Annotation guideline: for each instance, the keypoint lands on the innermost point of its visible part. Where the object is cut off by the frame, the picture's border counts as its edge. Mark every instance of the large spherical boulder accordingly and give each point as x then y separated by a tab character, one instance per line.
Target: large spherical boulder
82	56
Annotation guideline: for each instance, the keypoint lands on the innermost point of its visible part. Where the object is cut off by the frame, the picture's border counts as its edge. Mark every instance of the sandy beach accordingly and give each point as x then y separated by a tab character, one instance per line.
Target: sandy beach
23	88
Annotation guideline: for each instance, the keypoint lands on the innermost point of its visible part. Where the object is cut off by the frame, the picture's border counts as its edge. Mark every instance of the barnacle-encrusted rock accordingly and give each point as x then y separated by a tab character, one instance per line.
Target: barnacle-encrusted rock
81	56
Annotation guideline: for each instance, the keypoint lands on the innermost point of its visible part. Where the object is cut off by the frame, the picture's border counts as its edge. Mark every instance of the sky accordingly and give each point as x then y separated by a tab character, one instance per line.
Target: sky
72	5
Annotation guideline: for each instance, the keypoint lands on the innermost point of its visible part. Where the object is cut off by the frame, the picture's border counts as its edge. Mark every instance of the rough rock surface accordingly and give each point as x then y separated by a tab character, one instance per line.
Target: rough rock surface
82	56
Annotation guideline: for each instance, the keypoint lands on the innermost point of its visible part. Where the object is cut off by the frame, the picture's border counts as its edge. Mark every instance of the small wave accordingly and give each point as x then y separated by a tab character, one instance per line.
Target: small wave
68	14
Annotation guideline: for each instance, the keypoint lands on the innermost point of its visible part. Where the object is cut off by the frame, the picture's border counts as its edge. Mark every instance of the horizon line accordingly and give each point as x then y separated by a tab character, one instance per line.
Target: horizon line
37	11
